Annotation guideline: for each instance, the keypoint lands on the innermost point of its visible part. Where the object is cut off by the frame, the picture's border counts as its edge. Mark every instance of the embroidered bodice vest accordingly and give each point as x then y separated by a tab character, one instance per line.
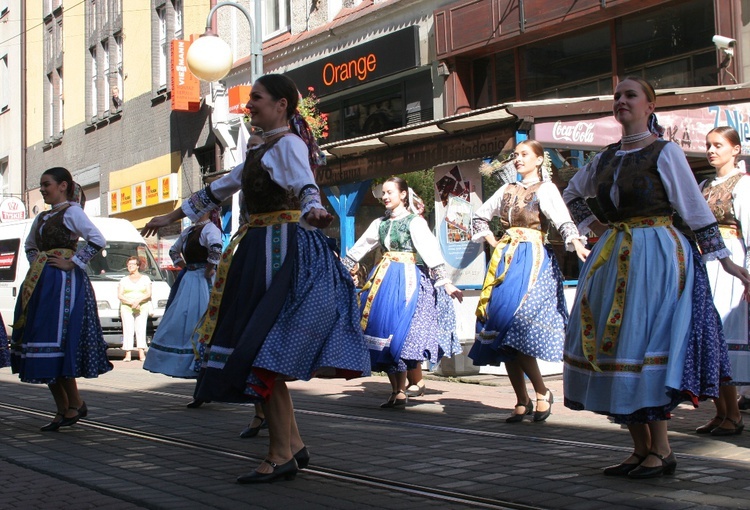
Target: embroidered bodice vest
399	237
521	208
260	193
193	250
720	201
640	189
54	233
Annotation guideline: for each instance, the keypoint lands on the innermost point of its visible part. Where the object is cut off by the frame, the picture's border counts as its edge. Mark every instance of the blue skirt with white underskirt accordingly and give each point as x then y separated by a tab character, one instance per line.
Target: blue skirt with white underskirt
288	310
174	346
62	335
653	360
521	316
410	320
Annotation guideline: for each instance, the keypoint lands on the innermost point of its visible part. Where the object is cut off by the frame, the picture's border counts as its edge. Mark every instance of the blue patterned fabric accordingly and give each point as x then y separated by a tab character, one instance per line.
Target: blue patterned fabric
171	352
62	336
520	318
707	359
305	323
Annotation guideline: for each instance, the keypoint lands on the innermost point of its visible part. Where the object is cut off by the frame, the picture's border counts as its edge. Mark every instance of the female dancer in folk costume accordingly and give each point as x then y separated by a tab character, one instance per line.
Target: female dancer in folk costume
57	335
174	350
283	306
522	314
629	349
407	313
728	196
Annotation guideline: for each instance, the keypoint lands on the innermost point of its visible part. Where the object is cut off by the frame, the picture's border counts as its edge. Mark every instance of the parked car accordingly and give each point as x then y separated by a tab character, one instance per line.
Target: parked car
105	271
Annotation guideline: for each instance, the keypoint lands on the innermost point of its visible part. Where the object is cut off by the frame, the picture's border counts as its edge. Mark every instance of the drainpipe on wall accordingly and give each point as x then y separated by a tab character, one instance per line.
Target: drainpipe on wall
24	148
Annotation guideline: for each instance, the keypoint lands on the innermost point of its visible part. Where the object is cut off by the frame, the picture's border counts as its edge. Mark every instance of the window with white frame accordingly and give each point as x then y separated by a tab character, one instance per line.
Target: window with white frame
166	25
276	16
53	63
94	85
58	106
104	33
162	14
119	79
177	7
4	84
4	177
107	73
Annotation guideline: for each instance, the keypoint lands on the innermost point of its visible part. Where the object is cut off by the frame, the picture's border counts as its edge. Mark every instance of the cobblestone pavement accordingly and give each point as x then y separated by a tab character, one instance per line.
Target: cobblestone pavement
141	448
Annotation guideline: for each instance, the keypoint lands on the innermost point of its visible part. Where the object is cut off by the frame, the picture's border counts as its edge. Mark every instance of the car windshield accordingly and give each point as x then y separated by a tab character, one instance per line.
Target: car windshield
110	262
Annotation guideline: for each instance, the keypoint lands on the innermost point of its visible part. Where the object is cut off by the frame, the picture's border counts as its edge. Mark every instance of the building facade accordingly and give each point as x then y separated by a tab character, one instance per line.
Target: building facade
12	38
99	102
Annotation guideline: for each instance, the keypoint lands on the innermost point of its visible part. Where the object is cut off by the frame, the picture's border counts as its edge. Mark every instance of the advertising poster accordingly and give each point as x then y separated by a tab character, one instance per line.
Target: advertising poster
456	199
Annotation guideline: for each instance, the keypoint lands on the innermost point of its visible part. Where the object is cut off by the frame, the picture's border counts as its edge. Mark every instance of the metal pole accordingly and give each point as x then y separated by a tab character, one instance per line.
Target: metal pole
256	45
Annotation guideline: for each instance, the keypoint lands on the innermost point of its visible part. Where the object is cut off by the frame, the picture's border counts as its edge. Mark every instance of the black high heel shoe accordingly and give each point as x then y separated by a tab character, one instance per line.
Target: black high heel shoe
251	431
623	469
668	466
53	425
288	471
81	412
543	415
515	417
737	428
712	424
196	403
302	457
395	403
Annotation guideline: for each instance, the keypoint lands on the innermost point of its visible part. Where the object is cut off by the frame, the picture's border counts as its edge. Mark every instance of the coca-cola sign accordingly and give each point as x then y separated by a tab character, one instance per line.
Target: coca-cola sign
582	132
12	209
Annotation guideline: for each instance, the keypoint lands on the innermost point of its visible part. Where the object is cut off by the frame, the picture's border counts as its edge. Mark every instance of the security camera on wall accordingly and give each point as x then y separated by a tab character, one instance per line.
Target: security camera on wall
724	43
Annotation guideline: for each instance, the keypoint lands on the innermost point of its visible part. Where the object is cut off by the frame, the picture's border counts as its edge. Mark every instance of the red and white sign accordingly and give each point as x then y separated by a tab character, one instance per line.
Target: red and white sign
12	209
6	259
686	127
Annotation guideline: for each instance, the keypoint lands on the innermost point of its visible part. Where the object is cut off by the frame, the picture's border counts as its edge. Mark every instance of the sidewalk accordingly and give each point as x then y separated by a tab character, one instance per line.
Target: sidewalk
141	448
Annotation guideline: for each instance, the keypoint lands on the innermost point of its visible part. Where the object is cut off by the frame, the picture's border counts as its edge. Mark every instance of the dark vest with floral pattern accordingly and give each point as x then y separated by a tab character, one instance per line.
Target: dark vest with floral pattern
54	232
400	236
261	194
194	251
720	201
641	191
521	204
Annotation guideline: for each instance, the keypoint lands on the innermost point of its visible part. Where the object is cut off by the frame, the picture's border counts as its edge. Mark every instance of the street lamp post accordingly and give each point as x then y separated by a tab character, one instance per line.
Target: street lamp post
210	58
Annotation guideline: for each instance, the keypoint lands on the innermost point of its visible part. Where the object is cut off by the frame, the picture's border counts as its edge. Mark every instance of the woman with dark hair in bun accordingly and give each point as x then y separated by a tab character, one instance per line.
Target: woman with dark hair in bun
57	335
282	307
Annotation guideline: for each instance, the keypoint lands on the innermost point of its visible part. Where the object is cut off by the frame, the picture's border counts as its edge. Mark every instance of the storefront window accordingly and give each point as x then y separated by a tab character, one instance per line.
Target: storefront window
505	77
670	47
379	109
573	65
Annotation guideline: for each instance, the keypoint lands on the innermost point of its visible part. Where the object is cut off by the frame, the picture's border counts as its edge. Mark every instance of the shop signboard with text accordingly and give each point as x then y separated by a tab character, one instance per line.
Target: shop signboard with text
686	127
142	194
361	64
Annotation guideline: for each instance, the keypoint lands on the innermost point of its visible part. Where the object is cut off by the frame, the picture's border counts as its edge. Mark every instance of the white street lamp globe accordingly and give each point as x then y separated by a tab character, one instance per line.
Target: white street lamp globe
209	58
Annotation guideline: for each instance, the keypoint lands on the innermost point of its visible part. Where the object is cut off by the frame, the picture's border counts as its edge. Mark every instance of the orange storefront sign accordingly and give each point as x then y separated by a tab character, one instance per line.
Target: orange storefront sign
238	98
186	90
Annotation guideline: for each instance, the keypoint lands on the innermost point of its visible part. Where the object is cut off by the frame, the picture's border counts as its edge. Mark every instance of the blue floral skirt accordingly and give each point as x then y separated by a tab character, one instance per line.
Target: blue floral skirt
410	320
526	312
62	335
289	309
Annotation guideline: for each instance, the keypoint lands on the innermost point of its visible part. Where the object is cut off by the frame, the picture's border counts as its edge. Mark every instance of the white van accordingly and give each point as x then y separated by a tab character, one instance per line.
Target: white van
105	271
